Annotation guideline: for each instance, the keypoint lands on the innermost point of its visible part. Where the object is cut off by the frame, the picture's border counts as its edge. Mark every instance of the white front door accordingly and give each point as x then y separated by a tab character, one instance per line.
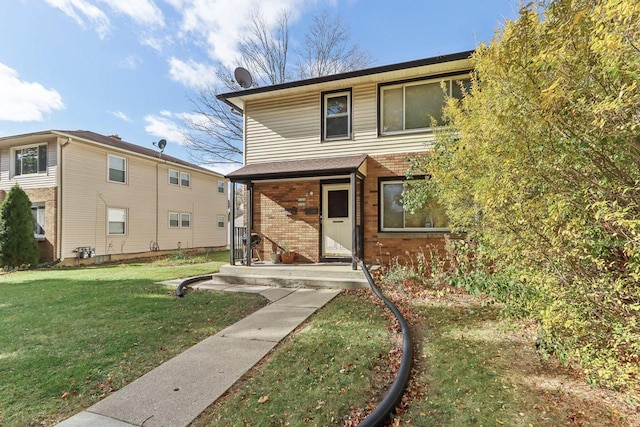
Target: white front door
336	220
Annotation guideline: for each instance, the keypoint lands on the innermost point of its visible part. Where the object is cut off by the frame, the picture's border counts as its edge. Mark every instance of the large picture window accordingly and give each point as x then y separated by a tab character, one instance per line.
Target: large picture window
117	169
394	217
30	160
117	221
337	115
416	105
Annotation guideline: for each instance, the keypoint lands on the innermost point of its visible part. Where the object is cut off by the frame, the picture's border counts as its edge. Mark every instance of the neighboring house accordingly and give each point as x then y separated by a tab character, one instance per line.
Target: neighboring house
325	158
96	195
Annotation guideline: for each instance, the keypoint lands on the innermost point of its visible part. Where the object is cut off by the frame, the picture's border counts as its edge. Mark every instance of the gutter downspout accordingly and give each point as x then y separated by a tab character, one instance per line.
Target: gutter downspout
59	203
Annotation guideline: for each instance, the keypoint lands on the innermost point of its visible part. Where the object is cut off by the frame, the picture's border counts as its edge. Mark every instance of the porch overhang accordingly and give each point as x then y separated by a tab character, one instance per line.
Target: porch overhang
332	166
353	168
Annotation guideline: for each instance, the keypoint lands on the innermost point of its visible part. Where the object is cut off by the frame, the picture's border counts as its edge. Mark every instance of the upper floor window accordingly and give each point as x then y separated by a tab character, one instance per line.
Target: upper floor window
116	221
185	179
416	105
336	115
30	160
117	169
174	177
220	186
394	217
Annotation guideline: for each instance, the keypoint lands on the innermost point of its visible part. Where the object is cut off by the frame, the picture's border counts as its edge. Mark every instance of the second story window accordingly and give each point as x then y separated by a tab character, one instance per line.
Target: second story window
220	186
336	115
416	105
30	160
117	169
185	179
174	177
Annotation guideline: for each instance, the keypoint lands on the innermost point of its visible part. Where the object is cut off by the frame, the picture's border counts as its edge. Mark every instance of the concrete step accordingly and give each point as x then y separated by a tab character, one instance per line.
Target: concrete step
289	281
295	276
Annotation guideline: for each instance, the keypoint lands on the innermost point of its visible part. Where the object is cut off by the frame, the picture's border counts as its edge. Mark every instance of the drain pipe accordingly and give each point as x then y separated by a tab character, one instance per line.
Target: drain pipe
385	408
189	281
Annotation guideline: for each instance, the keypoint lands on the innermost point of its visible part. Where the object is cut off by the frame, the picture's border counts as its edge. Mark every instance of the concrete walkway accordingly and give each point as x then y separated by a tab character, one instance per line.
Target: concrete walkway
176	392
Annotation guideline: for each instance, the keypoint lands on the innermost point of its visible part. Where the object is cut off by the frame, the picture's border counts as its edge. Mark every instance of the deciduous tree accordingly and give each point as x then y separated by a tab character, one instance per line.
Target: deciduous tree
541	164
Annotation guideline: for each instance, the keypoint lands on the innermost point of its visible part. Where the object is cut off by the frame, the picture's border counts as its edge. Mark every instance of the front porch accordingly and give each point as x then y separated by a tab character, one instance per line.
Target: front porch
318	276
314	207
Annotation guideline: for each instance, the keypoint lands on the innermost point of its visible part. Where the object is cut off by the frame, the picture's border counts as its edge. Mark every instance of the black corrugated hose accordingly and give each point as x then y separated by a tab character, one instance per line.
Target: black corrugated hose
189	281
381	414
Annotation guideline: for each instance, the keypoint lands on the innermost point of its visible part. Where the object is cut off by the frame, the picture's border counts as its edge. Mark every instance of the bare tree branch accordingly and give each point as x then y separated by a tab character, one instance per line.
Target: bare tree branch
215	135
327	48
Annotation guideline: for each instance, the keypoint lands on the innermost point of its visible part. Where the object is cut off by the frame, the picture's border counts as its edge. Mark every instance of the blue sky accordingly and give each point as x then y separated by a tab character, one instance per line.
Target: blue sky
127	67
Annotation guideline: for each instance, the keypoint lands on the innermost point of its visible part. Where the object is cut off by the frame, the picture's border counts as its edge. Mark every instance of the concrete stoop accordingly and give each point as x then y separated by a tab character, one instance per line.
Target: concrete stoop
315	276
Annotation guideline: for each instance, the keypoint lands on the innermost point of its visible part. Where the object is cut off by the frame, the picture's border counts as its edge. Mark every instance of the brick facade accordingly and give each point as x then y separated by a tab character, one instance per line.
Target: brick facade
288	213
48	197
380	246
274	218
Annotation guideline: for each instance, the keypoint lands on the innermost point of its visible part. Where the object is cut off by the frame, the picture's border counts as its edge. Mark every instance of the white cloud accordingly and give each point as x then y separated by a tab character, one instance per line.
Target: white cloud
168	125
222	26
131	62
144	12
86	14
23	101
191	73
122	116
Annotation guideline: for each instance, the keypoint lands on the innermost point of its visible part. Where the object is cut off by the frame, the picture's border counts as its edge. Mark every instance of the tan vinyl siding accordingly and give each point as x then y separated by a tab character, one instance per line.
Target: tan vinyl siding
87	194
289	129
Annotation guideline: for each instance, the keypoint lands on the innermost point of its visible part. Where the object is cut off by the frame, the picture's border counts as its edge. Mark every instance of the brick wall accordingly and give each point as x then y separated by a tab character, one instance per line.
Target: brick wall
273	217
381	246
47	196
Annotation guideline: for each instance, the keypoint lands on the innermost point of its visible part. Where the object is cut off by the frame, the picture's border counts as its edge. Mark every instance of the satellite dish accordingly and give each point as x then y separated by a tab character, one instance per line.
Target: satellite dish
160	144
243	77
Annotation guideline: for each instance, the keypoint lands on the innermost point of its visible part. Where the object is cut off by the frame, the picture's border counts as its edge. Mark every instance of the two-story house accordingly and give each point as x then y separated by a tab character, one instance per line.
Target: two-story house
325	159
99	196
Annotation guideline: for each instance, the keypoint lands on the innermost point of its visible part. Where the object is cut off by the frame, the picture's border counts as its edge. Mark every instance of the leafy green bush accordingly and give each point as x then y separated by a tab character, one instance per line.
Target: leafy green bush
18	246
540	164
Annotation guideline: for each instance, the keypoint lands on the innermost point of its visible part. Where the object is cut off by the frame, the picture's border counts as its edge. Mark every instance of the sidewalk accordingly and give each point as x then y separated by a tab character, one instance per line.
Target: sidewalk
176	392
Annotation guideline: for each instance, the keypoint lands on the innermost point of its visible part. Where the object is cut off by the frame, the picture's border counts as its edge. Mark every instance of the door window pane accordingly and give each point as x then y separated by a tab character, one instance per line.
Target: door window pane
338	203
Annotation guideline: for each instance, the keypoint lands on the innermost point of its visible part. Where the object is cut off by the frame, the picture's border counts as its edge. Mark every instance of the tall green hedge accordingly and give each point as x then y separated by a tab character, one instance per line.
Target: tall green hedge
18	246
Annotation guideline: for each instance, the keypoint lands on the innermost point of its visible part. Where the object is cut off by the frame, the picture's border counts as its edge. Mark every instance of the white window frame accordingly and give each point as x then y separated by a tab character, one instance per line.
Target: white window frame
115	210
177	177
221	187
124	171
39	207
451	82
221	221
326	116
182	217
15	151
177	219
188	175
425	229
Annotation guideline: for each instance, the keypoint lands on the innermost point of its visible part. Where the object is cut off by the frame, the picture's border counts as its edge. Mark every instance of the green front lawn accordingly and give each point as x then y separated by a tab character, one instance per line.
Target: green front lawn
68	337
